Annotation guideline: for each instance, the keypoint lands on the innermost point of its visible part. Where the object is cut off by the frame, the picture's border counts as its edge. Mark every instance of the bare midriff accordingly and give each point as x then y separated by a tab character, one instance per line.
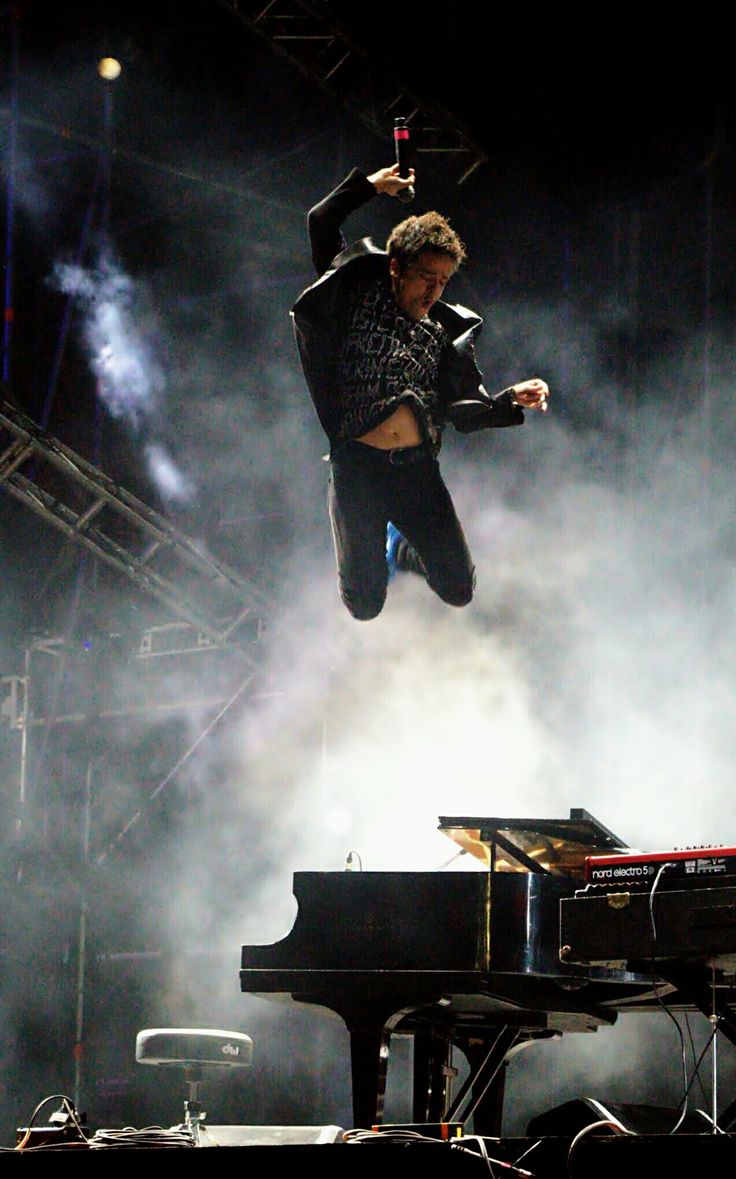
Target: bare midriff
401	429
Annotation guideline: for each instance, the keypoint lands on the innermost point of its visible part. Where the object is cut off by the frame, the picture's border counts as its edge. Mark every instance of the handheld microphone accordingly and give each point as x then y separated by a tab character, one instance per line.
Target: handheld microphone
401	149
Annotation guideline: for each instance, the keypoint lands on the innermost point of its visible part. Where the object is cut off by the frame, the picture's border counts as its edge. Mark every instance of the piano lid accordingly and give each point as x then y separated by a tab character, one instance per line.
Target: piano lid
558	846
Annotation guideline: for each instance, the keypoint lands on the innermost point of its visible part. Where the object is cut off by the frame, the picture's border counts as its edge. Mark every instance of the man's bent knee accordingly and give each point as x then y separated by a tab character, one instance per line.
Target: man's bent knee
458	598
363	606
455	593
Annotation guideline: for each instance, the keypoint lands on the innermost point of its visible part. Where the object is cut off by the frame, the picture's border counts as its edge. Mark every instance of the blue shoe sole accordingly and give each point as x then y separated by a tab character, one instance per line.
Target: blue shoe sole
393	536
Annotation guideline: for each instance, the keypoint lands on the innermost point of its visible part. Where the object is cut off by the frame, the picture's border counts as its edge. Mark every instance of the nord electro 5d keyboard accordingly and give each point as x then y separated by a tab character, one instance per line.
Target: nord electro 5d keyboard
671	869
676	909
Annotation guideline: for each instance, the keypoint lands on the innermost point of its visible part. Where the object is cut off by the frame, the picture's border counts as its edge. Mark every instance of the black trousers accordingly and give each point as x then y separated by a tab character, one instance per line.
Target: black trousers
367	489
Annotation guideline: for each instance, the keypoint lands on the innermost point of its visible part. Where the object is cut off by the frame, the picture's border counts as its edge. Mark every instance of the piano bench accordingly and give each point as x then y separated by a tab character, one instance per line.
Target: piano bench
193	1047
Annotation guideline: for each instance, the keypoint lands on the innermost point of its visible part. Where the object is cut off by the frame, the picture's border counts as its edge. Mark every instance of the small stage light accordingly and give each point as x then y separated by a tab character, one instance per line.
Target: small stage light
109	68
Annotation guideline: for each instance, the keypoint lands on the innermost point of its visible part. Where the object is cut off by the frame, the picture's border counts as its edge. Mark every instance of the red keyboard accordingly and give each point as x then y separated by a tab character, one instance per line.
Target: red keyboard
685	865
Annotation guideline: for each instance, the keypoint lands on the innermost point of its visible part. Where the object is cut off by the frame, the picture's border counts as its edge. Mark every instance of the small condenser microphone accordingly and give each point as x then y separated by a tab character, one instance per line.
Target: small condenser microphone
401	148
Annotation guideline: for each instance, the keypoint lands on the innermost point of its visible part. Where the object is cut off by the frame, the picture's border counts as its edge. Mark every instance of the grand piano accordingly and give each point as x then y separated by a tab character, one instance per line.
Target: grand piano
464	960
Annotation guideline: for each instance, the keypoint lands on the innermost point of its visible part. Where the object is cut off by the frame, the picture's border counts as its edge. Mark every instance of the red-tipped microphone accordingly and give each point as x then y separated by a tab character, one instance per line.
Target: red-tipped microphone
401	148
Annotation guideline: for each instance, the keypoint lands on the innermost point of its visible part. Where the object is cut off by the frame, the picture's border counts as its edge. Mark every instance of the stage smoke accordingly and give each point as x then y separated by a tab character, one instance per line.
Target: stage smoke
131	381
129	377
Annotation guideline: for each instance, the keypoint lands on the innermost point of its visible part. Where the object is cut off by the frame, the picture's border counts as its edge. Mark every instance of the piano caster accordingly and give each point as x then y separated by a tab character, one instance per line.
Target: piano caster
193	1049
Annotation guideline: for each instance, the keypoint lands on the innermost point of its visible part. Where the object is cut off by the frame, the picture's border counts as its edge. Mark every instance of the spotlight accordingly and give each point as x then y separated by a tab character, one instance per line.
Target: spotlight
109	68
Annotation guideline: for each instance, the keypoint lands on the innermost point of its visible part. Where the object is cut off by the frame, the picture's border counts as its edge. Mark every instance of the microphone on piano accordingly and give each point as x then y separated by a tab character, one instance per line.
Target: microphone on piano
349	860
401	149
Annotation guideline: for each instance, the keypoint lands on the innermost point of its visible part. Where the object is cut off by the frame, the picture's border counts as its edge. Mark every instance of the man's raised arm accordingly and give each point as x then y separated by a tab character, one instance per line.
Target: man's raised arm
325	219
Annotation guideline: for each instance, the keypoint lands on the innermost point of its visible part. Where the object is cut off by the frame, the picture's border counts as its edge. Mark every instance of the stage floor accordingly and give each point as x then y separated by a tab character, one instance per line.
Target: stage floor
603	1157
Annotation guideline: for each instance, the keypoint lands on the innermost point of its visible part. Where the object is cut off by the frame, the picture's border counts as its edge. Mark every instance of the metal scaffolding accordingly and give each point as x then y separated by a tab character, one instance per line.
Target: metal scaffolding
86	505
319	47
71	830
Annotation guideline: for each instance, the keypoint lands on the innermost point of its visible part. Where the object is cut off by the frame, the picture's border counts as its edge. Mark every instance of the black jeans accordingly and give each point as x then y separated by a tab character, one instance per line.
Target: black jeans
367	489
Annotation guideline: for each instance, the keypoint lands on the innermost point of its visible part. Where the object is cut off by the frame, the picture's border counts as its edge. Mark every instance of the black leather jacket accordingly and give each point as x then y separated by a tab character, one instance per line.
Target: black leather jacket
319	317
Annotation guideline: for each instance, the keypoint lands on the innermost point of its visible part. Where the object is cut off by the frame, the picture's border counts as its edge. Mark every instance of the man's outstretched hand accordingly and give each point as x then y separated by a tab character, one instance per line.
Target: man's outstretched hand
532	394
388	180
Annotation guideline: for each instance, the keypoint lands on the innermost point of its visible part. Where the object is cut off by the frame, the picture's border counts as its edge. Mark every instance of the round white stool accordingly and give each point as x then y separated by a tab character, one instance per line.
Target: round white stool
193	1050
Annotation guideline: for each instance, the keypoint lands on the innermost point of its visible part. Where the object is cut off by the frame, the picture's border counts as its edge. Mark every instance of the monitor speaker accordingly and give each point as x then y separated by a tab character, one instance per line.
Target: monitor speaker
566	1120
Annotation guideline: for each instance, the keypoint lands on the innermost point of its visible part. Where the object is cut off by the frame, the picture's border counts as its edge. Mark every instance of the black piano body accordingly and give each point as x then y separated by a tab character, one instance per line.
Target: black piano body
455	959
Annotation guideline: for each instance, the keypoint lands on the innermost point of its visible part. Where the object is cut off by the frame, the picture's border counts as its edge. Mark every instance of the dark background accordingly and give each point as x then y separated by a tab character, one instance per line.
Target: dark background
606	194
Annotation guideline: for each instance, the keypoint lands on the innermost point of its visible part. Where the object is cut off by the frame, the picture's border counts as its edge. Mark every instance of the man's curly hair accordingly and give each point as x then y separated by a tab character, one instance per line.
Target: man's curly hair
430	231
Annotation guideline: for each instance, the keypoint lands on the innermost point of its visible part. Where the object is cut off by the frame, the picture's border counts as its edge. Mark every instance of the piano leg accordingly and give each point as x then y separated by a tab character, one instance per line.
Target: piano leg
433	1074
369	1049
370	1027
